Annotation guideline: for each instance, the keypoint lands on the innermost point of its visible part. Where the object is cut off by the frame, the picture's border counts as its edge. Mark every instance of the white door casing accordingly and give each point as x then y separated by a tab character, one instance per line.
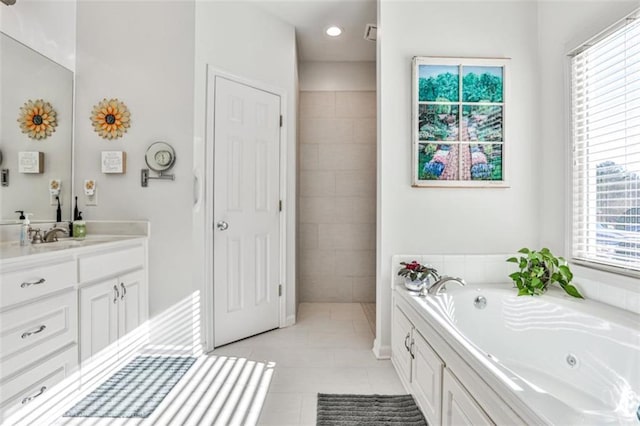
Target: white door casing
246	195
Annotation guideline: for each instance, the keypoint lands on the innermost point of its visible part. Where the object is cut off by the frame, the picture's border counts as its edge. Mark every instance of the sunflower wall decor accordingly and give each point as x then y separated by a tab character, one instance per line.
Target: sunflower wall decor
37	119
110	118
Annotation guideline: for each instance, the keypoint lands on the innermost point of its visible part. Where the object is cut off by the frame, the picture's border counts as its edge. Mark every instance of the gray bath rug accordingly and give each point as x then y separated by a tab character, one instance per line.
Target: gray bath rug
370	410
136	390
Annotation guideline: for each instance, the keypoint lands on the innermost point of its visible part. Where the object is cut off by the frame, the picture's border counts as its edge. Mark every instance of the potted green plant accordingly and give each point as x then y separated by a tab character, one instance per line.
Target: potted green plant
540	269
416	275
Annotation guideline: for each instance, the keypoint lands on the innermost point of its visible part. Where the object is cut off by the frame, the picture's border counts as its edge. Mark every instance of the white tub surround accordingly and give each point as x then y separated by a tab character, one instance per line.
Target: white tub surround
63	302
548	359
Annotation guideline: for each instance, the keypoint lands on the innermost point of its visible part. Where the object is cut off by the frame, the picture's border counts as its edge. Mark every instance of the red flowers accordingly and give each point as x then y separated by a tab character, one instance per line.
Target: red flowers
415	271
412	266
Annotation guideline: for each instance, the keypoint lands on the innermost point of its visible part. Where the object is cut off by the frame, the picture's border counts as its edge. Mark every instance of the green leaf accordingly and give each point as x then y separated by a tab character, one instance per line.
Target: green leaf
523	292
566	272
536	283
523	263
512	260
571	290
524	250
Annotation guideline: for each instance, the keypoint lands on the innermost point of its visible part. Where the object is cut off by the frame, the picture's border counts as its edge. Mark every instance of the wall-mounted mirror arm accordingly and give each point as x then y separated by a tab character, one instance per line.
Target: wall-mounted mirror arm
144	177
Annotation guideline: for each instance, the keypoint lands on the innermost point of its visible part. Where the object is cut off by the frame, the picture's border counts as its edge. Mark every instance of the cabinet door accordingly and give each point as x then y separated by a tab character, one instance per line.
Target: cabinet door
458	407
132	306
426	380
401	338
98	317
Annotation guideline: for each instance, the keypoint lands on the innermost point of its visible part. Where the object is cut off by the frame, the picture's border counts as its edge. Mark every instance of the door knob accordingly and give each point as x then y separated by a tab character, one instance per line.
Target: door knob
222	225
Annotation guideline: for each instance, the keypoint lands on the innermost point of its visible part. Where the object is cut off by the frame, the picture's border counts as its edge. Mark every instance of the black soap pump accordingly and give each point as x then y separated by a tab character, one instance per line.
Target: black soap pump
75	210
58	212
21	214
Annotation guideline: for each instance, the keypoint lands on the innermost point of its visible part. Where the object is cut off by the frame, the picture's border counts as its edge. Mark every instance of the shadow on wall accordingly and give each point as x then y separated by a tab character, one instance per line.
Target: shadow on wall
215	390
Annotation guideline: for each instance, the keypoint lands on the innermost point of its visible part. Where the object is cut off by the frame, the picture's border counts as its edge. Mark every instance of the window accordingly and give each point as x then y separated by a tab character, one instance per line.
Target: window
605	99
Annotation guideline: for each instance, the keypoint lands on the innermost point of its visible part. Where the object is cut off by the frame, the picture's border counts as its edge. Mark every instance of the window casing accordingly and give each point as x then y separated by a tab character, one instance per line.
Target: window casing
605	102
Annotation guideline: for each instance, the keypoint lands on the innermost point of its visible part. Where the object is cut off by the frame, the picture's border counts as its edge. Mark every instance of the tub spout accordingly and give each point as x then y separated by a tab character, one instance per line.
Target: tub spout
440	285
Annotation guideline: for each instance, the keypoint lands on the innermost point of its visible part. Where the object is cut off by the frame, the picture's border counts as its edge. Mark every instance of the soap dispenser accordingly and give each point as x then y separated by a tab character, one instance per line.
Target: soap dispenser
24	229
79	227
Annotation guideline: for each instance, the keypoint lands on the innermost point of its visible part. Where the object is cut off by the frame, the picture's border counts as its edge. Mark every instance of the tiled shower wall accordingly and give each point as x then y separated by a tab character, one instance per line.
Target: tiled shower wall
337	196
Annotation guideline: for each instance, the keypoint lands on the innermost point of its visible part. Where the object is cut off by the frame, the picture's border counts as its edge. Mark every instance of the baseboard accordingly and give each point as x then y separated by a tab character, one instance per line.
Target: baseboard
381	352
289	321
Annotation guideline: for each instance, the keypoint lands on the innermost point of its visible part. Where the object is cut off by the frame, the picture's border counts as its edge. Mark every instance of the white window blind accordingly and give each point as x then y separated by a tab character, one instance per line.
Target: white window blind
606	148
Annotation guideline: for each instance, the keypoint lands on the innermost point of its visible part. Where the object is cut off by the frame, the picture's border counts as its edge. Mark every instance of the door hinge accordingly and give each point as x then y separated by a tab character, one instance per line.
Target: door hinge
281	120
280	205
280	290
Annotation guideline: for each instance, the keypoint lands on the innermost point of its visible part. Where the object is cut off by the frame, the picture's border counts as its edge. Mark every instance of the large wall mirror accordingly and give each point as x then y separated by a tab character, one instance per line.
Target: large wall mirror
26	75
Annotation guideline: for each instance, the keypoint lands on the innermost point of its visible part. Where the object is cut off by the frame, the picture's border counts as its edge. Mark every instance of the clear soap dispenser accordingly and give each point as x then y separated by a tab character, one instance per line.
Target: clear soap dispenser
24	230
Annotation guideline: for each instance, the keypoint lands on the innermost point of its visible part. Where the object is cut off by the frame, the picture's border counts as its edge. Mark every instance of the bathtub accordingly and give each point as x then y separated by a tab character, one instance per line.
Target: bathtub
568	361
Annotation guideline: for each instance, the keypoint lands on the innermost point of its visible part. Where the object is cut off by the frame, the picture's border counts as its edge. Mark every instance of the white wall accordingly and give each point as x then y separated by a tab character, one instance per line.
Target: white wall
143	54
240	39
451	221
337	76
48	27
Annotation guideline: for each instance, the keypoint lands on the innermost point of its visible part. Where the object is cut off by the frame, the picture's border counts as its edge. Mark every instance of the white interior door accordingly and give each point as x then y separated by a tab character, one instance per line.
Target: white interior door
246	242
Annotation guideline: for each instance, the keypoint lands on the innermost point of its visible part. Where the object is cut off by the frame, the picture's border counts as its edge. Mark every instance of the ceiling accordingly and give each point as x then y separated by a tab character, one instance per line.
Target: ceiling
312	17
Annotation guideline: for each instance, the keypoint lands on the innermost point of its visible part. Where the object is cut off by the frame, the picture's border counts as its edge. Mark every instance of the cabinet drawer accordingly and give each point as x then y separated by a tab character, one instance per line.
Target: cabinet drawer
36	382
36	330
106	264
30	283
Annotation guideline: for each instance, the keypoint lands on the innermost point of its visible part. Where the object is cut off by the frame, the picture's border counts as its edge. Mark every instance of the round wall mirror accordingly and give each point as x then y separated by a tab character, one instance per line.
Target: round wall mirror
160	156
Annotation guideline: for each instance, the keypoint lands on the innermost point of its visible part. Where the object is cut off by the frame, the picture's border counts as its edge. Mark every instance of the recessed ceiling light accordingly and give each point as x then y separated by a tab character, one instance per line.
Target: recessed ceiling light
333	31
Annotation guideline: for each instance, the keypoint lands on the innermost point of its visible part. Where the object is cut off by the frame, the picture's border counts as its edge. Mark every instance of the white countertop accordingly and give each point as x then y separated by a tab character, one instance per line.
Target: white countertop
12	250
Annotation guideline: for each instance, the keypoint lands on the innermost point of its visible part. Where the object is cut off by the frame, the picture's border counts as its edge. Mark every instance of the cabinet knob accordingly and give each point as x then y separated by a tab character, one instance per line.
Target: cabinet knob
222	225
124	291
116	294
406	341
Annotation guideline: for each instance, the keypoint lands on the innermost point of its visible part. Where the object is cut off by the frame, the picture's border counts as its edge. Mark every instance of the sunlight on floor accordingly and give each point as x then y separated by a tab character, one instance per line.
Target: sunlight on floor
215	390
272	378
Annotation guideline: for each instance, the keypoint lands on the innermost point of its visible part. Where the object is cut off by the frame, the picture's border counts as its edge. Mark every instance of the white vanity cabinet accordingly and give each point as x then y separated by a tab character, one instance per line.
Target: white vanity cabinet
38	328
431	371
401	333
458	406
58	306
114	300
419	367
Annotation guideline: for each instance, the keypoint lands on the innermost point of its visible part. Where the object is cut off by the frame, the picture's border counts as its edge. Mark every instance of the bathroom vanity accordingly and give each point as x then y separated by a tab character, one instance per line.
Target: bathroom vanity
60	304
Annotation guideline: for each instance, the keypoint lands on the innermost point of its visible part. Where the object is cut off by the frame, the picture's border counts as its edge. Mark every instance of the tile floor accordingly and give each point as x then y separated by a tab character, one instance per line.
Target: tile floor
328	351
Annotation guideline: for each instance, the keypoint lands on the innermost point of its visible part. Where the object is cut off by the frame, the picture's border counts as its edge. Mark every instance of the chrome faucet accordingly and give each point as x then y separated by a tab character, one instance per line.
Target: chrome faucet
51	236
438	287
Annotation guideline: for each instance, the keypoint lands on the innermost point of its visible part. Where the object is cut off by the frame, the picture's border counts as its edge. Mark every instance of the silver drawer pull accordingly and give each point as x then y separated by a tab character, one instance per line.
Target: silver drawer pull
124	291
30	283
29	398
36	331
116	294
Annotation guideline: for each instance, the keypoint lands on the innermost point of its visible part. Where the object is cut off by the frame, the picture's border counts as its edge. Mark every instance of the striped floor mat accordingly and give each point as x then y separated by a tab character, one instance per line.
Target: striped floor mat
371	410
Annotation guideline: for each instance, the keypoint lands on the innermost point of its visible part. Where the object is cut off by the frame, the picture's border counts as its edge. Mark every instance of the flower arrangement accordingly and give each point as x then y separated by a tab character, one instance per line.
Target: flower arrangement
414	271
